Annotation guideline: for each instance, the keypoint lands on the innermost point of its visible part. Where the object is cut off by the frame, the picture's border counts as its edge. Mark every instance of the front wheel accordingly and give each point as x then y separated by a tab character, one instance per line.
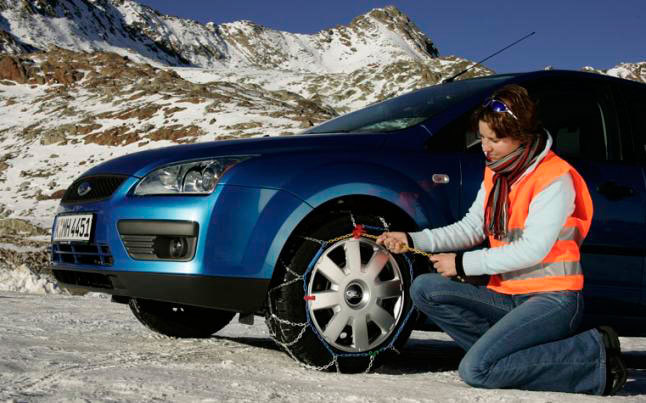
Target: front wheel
176	320
352	295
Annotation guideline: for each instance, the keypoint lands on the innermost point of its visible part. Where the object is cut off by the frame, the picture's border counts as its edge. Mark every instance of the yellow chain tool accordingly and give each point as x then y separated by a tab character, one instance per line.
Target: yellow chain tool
360	232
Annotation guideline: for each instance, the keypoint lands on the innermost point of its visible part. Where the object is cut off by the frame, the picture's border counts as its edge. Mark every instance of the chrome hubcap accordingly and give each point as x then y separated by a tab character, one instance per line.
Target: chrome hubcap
356	295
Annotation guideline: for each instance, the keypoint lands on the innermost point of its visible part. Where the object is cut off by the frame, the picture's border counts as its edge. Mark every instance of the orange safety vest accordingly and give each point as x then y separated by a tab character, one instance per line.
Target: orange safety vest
561	268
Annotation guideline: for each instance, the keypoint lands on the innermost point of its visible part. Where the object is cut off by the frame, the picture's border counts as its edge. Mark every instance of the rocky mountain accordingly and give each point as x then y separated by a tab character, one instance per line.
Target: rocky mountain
629	71
128	28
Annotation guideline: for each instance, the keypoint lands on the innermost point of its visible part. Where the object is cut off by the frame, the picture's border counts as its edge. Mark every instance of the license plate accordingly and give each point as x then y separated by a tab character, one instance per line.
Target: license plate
73	227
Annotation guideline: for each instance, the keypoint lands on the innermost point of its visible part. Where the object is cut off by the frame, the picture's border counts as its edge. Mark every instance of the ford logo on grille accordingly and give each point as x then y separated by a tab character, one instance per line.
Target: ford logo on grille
84	188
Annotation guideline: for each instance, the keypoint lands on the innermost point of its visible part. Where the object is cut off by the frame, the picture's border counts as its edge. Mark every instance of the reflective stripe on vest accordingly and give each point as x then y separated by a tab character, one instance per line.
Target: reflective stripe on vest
561	268
544	270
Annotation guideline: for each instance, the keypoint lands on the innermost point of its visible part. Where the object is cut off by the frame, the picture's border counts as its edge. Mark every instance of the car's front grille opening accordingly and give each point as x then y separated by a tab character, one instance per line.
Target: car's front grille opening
171	240
83	254
140	246
92	188
159	247
83	279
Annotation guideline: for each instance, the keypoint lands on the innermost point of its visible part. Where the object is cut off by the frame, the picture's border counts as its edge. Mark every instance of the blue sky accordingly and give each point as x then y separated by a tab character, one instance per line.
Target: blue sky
570	34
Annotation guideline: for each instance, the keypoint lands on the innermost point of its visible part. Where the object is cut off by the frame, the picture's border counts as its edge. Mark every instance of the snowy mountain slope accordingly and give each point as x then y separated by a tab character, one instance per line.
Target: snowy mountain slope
66	111
629	71
128	28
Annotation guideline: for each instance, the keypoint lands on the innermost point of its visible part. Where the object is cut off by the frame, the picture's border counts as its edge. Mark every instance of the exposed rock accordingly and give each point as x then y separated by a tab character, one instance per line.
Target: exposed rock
115	136
11	68
629	71
12	45
15	226
399	23
244	126
4	211
176	133
57	195
53	137
38	261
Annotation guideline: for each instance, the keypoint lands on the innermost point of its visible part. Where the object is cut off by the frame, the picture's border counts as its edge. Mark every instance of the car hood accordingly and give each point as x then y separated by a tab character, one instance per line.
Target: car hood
141	163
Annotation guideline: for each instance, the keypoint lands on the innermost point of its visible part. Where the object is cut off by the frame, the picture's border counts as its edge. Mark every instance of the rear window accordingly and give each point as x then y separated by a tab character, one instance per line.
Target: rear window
409	109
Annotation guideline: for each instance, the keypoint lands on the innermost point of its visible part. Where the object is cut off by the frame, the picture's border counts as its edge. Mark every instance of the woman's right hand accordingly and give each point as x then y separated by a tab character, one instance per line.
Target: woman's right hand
395	242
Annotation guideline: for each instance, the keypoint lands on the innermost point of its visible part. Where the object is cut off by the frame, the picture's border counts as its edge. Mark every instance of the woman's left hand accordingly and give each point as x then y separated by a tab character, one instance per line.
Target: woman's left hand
444	263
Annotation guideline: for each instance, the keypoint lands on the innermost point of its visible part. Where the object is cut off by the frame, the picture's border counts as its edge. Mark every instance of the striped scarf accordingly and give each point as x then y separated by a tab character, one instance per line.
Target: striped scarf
506	171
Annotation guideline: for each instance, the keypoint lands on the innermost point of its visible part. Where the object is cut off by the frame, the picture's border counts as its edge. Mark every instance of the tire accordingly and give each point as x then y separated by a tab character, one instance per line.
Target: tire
355	312
176	320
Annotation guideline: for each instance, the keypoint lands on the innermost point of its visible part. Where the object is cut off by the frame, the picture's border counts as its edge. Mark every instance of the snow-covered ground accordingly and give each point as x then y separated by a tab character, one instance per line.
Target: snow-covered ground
22	279
58	347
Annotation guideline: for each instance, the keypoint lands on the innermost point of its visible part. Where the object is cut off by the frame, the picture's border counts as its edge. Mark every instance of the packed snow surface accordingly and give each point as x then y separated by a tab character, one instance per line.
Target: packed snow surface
64	348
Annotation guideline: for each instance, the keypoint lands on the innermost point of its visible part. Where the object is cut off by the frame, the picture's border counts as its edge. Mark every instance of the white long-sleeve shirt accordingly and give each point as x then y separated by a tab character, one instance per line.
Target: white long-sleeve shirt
548	211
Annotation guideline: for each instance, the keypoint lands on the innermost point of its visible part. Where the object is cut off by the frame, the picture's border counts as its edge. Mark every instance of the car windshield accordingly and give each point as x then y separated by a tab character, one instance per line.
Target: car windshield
409	109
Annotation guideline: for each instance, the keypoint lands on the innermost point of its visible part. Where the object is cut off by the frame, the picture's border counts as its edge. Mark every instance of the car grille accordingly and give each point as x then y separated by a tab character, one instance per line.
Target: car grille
89	254
140	246
102	187
93	280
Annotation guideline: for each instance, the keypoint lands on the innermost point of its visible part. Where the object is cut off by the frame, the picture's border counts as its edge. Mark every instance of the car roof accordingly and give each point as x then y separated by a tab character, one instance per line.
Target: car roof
522	76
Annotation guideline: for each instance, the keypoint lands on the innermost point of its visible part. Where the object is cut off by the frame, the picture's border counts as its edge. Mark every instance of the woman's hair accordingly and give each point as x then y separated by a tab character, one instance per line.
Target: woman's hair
525	128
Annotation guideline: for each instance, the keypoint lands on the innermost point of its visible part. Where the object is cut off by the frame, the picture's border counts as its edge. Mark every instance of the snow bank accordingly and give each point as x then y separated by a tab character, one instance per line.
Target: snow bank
23	280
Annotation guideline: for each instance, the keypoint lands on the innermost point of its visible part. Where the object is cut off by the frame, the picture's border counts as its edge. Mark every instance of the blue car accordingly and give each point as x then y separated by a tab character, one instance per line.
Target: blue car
285	227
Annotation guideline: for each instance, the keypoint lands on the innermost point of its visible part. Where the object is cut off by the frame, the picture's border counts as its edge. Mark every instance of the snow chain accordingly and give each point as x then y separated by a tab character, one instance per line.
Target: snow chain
358	232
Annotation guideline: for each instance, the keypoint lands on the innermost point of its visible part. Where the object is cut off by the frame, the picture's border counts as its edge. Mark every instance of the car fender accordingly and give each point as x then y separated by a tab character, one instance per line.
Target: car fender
365	180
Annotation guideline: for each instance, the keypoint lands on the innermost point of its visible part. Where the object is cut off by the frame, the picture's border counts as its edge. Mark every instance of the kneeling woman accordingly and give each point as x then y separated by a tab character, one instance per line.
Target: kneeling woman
519	331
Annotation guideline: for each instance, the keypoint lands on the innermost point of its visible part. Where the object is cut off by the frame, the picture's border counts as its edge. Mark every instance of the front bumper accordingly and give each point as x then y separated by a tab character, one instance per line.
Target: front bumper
234	238
227	293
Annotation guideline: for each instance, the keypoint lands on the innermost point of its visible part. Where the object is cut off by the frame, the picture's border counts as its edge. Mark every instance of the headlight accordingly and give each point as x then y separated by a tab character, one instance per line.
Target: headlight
198	177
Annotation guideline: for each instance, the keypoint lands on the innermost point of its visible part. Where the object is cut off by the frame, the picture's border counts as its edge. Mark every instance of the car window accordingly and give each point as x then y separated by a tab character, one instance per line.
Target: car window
576	117
409	109
576	124
635	104
456	136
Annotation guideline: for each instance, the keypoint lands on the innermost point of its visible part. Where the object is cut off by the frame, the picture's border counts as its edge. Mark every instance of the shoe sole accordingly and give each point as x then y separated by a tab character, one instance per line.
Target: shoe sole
619	383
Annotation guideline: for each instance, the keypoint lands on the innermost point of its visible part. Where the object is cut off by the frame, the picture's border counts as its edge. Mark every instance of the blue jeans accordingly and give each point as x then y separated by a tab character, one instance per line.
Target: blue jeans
525	341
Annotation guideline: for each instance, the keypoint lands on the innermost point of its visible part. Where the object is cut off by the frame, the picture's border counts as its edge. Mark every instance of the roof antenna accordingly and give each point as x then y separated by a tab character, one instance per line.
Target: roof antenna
450	79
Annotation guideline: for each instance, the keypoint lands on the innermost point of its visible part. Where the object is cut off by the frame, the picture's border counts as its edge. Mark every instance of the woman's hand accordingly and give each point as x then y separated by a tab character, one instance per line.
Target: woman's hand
444	263
395	242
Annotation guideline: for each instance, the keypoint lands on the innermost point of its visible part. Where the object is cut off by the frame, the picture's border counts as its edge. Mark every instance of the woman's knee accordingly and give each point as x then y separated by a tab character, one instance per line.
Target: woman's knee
473	372
421	291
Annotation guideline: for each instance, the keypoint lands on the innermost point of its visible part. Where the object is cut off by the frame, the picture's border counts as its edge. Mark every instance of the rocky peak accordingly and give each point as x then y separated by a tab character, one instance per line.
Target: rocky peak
398	22
630	71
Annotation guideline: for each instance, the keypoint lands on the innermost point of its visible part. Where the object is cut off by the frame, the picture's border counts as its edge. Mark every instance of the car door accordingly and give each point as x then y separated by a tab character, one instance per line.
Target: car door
582	118
631	101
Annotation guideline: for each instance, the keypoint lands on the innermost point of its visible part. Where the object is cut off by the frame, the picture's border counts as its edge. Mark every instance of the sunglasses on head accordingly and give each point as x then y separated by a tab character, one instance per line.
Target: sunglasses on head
498	106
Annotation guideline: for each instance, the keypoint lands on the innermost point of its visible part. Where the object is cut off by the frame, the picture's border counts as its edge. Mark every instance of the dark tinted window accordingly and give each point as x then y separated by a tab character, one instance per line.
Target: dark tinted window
635	110
455	136
577	113
580	116
576	123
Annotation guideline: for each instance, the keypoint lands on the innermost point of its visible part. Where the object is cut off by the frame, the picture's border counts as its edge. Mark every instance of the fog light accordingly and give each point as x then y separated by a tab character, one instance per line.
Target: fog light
177	247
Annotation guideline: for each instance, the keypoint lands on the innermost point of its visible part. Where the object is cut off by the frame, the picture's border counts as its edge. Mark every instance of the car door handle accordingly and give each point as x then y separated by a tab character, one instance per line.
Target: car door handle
614	191
441	179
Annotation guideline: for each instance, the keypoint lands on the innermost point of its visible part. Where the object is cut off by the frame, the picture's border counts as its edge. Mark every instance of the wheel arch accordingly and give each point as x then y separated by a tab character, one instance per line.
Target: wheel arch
400	220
